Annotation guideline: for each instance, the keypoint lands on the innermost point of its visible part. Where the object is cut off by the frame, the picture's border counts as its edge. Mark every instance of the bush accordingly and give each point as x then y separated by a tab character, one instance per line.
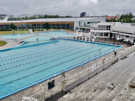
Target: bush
2	43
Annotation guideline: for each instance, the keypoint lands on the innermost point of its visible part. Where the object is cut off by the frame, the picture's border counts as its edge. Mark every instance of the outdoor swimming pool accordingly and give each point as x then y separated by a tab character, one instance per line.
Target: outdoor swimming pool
30	64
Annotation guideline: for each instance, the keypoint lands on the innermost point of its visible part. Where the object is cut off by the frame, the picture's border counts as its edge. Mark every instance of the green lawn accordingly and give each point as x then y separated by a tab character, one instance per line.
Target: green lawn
2	43
14	32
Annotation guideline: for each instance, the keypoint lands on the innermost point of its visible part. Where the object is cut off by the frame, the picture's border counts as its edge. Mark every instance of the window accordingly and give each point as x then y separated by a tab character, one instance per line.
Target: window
106	34
88	22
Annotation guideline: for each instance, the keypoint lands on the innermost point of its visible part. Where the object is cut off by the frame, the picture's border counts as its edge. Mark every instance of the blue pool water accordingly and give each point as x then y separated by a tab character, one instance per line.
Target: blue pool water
30	64
41	35
15	36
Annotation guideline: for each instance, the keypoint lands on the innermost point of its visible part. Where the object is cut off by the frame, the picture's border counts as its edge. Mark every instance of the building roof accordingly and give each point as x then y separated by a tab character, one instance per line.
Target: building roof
105	23
124	27
50	20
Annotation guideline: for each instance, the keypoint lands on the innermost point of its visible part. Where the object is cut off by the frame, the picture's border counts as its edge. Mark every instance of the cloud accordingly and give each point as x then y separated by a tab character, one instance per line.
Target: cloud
66	7
94	1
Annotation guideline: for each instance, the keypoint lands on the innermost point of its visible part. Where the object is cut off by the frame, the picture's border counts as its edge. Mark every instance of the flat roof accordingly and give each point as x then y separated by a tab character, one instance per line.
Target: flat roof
124	28
51	20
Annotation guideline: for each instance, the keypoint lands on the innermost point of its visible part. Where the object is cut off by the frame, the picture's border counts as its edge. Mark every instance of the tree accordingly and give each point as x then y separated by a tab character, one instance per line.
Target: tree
83	14
13	26
130	15
126	18
47	26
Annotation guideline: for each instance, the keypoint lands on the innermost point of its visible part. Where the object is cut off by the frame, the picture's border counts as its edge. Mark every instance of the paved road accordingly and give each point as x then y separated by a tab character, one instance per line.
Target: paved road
110	85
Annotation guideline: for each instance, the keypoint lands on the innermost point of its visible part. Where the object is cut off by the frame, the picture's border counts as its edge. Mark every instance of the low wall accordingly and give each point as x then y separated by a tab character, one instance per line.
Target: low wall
124	52
70	79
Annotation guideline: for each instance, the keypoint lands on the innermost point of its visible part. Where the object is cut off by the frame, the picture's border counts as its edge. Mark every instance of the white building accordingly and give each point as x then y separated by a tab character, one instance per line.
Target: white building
84	25
102	30
114	30
124	32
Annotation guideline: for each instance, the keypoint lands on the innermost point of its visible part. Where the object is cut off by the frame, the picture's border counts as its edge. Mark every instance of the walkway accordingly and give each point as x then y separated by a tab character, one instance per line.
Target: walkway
110	85
10	44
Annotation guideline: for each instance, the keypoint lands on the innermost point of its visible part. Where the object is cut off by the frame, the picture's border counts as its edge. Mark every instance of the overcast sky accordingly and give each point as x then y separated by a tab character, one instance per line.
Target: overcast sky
66	7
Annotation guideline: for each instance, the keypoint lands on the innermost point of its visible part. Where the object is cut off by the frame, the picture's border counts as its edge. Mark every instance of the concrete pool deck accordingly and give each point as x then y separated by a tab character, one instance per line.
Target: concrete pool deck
10	43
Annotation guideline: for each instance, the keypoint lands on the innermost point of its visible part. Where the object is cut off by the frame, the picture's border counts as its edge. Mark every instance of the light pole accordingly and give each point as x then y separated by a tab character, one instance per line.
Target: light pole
64	81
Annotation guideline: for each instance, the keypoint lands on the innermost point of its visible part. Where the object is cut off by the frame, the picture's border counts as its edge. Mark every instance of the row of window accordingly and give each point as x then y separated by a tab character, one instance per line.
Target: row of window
103	27
37	26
